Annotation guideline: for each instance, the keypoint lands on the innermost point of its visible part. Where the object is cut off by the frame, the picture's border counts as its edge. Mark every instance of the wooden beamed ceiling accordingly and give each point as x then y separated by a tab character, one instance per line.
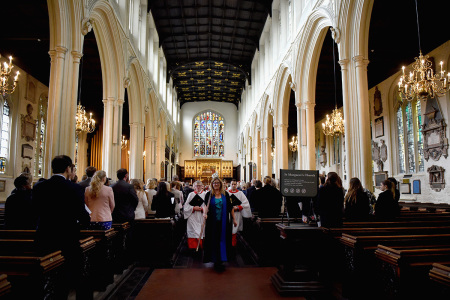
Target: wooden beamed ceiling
209	45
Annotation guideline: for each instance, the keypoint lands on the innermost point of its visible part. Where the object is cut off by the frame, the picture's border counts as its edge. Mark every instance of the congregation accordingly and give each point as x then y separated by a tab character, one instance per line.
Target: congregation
59	205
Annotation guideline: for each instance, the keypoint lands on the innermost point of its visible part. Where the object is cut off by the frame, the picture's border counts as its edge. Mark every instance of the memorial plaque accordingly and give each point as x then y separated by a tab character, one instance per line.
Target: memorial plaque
300	183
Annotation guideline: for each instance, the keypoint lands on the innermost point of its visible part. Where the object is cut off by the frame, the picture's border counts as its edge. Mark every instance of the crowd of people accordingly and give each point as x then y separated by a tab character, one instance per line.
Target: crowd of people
58	207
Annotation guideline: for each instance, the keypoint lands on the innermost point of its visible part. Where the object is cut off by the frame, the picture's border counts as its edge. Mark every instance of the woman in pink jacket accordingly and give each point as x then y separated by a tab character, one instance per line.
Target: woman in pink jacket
100	200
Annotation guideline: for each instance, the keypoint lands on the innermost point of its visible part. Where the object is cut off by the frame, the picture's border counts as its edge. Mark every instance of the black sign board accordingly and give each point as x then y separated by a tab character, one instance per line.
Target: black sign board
300	183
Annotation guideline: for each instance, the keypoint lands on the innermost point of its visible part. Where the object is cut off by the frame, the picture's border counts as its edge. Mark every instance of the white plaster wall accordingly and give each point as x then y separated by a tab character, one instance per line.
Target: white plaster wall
230	114
390	135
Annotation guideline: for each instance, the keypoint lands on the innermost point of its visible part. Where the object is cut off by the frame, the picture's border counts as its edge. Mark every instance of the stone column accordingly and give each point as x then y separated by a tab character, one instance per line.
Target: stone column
299	135
53	134
310	135
136	150
81	154
72	105
348	124
148	158
364	121
284	154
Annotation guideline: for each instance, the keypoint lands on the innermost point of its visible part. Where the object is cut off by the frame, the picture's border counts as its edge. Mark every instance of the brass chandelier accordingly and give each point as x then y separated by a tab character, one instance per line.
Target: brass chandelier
5	86
83	123
335	124
124	143
421	83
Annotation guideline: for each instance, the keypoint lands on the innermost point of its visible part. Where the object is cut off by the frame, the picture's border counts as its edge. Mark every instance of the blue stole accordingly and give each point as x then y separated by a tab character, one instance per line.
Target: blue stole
223	233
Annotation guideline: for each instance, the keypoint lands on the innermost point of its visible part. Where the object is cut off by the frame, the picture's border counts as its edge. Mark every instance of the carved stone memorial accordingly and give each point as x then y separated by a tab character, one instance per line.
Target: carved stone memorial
377	102
29	125
435	142
376	157
437	181
323	157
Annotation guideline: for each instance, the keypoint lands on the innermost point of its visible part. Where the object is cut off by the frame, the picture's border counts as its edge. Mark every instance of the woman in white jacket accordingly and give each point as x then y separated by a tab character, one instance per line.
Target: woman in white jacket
142	207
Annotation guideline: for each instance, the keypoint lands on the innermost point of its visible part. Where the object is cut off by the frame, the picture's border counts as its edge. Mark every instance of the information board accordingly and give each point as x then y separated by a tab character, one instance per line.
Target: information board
299	183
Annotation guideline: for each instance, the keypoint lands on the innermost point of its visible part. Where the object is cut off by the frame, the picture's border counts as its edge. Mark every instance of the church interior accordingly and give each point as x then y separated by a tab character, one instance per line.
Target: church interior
239	90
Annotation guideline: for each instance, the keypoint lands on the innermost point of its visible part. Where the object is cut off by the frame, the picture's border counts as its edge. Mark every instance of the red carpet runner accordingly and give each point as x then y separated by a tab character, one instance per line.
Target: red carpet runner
200	284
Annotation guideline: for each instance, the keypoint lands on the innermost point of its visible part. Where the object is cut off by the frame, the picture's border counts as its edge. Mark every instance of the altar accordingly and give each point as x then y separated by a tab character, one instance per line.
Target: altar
203	169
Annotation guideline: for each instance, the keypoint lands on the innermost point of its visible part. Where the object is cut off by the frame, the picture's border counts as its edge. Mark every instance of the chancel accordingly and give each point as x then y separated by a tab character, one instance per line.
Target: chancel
171	123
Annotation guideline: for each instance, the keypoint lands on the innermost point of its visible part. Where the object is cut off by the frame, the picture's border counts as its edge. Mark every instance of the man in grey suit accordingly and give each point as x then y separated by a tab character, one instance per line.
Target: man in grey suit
125	198
90	171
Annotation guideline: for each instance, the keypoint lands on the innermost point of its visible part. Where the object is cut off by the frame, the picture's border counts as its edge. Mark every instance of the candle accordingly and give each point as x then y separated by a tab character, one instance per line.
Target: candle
403	69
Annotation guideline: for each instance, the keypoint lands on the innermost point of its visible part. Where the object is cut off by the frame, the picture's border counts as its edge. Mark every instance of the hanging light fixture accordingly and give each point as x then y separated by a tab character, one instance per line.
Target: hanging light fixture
5	86
123	143
334	125
423	82
293	144
83	123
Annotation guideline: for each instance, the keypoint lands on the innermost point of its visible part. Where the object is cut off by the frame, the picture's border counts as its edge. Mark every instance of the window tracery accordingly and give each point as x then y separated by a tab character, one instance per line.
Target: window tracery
209	135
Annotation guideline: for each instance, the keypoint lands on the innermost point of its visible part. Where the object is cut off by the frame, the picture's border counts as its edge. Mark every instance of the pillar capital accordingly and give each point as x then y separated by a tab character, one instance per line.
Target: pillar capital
344	63
76	56
360	61
283	125
308	105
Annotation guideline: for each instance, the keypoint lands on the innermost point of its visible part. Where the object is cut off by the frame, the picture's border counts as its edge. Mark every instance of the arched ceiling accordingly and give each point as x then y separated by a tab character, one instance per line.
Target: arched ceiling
209	45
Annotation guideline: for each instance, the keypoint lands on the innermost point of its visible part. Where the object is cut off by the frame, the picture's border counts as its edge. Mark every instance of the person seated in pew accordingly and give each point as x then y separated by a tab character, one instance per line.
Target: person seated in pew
386	208
19	213
356	206
142	207
164	202
252	199
330	201
194	212
99	199
268	200
241	208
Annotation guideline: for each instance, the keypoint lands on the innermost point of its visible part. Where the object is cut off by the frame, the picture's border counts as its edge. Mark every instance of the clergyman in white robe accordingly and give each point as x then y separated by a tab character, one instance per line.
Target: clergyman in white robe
240	211
194	220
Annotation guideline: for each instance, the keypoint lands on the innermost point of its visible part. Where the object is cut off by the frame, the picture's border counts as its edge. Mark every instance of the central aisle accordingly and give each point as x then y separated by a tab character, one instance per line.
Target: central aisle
199	284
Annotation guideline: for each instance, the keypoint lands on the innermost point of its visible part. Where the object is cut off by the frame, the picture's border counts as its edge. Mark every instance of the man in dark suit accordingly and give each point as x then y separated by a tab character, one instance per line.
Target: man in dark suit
60	208
125	198
90	171
250	190
268	201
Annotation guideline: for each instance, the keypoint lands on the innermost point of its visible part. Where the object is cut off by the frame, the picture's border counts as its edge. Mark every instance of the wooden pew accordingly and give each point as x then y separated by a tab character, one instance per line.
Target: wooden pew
5	287
32	276
430	207
154	242
412	223
405	271
261	237
440	280
19	245
337	232
103	256
121	247
2	216
360	262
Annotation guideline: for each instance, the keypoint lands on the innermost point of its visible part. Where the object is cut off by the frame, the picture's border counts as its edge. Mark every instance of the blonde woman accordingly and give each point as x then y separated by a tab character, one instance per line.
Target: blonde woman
99	199
142	206
219	221
150	192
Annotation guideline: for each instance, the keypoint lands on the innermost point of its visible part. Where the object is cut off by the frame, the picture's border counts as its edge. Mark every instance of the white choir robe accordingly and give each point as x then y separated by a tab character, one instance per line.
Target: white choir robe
194	220
244	212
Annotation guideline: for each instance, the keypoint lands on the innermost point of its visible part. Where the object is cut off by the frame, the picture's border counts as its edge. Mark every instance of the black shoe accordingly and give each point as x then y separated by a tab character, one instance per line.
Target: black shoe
219	267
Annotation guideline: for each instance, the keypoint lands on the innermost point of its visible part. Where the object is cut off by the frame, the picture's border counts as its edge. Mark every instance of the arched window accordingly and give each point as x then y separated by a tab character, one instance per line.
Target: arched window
4	136
409	137
209	134
40	135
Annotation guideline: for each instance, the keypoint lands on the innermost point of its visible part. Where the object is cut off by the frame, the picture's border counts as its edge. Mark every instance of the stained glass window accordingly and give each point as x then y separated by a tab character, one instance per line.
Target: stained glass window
40	136
419	137
401	146
4	143
410	139
209	134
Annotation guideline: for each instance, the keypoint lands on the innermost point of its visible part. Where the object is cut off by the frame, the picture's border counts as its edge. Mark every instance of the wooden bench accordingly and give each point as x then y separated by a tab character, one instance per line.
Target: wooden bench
32	276
154	242
121	247
440	280
5	287
412	223
337	232
26	247
430	207
103	256
405	270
